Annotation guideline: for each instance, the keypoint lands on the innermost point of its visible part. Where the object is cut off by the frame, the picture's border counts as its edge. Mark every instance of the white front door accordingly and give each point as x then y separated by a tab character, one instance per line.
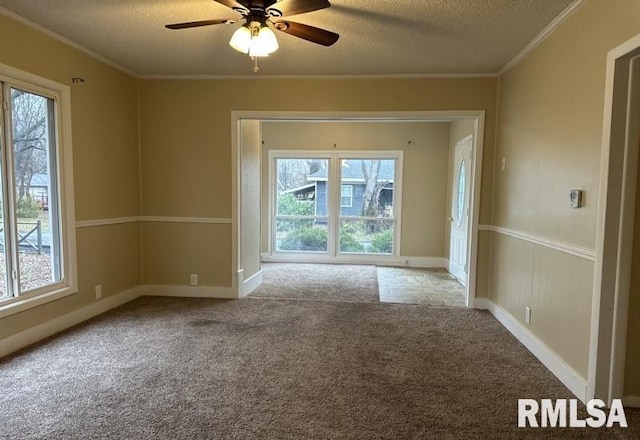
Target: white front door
460	209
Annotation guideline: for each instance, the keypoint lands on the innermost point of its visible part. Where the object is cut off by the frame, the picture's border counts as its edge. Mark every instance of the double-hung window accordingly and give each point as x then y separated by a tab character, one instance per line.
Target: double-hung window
37	241
335	205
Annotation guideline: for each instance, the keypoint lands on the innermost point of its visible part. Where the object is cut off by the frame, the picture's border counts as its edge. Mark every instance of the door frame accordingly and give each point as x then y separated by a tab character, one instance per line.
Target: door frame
399	116
614	234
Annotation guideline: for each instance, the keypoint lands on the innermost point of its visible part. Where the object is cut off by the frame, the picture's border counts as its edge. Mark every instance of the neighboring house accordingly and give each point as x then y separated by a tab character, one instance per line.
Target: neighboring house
304	192
39	189
352	188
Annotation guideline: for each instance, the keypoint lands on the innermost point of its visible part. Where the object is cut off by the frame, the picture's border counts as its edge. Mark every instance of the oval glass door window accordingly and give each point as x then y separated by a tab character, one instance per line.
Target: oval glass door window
462	183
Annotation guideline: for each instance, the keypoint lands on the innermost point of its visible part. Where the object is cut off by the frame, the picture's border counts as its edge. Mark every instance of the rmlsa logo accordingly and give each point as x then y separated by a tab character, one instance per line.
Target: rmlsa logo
554	413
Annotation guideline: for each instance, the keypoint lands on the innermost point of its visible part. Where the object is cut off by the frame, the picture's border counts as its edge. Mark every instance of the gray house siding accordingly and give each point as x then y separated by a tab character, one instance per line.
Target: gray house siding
355	210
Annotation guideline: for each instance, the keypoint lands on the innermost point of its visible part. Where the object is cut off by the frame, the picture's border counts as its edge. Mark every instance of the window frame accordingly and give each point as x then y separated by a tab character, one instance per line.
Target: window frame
11	77
334	180
273	203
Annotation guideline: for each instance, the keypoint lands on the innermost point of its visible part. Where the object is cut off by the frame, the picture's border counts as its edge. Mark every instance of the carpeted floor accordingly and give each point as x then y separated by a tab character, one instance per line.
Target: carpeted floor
333	282
178	368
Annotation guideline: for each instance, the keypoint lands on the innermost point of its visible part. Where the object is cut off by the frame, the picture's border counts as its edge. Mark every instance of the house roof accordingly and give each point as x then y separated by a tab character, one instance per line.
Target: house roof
307	187
352	170
40	180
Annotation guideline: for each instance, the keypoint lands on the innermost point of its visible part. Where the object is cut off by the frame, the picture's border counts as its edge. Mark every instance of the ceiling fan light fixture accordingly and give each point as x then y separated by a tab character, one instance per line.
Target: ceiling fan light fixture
264	43
241	39
254	39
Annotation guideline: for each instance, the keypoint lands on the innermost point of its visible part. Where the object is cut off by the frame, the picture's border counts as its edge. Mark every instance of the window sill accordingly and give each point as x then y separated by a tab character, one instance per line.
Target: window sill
12	306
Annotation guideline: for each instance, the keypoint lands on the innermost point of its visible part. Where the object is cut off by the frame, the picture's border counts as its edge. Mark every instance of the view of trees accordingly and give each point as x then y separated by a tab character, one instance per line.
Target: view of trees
356	235
293	173
373	187
30	137
31	129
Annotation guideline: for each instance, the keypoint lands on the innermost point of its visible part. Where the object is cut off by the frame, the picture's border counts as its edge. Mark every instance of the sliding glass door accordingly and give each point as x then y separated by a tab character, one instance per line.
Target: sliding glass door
334	204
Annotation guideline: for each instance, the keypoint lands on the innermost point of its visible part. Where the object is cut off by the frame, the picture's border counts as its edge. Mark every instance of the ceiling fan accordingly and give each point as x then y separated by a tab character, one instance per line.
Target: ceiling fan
255	36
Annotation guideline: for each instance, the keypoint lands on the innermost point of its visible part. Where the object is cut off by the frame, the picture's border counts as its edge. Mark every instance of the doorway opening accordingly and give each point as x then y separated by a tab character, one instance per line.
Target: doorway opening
611	353
343	235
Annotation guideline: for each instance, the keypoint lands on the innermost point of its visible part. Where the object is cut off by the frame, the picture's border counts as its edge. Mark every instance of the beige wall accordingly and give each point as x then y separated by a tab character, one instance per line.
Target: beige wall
425	146
550	123
105	155
186	144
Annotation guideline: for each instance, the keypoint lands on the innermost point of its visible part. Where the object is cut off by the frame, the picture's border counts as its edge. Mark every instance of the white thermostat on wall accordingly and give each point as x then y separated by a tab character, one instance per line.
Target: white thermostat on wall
575	198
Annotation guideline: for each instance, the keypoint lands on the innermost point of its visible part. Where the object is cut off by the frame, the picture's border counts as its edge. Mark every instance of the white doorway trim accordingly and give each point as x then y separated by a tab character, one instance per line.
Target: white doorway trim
614	234
423	116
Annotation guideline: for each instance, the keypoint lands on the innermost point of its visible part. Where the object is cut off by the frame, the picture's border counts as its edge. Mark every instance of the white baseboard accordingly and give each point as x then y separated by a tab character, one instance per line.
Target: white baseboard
251	284
189	291
30	336
400	261
631	401
572	380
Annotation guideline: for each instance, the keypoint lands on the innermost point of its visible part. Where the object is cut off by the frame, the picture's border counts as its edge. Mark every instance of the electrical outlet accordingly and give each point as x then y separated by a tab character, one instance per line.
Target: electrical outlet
193	280
98	291
527	315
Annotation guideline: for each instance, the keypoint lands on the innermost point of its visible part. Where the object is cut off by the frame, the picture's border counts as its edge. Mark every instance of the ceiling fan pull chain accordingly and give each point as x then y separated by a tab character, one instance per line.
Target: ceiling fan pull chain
255	67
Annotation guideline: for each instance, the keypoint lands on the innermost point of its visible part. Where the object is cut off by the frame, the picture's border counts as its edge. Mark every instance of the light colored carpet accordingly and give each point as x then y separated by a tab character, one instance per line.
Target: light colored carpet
334	282
180	368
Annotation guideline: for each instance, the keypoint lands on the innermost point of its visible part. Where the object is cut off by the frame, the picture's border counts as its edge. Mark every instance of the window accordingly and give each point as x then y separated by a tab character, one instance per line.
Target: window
301	216
368	227
37	260
334	204
346	196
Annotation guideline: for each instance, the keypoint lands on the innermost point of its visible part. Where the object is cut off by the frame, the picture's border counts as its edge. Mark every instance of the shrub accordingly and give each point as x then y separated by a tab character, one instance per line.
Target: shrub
305	239
349	243
288	204
382	242
27	207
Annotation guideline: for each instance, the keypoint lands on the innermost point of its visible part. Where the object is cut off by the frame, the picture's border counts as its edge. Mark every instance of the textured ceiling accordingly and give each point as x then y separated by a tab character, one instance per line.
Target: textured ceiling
377	37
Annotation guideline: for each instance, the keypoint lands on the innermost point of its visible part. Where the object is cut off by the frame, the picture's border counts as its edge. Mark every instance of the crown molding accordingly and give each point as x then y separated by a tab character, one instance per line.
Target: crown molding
65	41
320	77
546	32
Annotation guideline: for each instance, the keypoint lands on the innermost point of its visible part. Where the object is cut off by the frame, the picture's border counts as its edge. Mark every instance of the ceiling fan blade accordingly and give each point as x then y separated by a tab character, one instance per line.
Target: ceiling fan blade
294	7
232	4
306	32
192	24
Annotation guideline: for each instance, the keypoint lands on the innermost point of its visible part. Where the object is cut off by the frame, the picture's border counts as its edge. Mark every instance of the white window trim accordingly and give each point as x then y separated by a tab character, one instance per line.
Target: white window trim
334	179
69	285
273	200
